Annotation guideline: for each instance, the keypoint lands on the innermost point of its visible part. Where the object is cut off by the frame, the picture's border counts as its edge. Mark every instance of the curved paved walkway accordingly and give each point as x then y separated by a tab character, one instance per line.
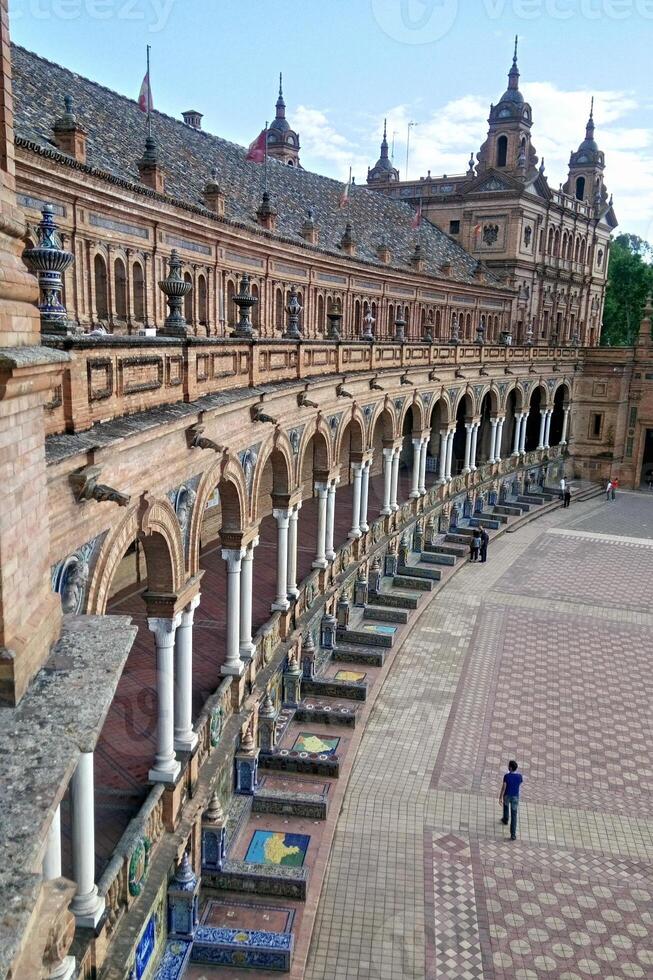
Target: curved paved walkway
544	654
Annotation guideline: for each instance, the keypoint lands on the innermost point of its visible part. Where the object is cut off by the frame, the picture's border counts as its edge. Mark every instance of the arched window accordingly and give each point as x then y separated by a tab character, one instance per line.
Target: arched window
138	292
502	151
256	309
202	304
320	325
391	320
278	309
188	299
120	285
599	259
580	188
583	249
556	242
230	311
577	248
468	327
101	292
549	245
438	323
357	318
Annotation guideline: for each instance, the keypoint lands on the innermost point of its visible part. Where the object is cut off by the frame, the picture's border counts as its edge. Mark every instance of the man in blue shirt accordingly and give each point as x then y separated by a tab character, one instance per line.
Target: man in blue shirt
509	797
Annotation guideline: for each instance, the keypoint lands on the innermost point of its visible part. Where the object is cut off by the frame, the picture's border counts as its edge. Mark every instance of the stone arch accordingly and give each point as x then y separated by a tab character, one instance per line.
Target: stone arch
494	397
385	421
314	458
566	396
415	404
467	396
138	290
356	426
159	532
228	478
441	414
274	472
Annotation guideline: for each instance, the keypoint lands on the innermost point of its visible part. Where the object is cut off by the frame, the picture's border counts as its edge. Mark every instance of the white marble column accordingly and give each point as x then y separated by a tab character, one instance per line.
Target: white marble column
355	531
395	480
247	648
233	665
388	456
422	466
450	438
282	517
565	424
543	415
166	768
444	442
320	544
365	492
417	457
469	428
185	739
547	428
87	905
517	442
52	856
472	455
493	439
293	591
499	442
329	549
522	435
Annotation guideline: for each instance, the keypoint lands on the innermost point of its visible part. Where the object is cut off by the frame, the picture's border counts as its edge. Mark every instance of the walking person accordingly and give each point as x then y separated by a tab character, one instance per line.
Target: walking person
608	490
563	487
485	540
475	545
614	488
567	499
509	797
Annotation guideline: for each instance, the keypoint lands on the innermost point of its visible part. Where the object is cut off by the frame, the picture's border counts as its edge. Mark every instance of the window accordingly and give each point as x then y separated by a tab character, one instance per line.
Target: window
502	151
580	188
599	258
596	425
138	291
454	227
528	234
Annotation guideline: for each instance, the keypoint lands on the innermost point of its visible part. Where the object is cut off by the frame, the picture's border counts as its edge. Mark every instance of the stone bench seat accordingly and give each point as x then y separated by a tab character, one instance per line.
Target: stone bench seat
243	948
259	879
385	615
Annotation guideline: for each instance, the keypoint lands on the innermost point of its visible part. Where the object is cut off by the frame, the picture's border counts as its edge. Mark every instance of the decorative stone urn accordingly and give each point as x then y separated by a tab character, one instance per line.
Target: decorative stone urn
176	289
48	260
244	301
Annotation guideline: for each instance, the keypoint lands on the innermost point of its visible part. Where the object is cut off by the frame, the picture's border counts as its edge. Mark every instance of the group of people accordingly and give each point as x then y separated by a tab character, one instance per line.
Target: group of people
611	488
478	544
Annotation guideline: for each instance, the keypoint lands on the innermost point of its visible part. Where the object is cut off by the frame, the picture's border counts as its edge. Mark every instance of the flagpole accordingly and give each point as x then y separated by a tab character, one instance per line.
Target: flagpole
149	95
265	160
349	199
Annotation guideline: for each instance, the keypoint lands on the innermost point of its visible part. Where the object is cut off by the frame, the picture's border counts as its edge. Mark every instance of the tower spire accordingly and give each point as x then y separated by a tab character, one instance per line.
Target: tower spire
589	131
281	105
513	74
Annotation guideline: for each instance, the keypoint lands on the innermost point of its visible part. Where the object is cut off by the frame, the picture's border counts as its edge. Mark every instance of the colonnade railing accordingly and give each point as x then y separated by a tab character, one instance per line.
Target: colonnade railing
213	739
108	377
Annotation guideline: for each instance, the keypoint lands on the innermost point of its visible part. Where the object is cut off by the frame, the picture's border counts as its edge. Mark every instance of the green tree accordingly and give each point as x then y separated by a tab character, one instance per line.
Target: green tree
630	280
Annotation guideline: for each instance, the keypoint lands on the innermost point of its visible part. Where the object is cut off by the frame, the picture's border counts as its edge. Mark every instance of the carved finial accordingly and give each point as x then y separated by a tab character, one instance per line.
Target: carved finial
514	58
214	811
267	707
184	875
247	741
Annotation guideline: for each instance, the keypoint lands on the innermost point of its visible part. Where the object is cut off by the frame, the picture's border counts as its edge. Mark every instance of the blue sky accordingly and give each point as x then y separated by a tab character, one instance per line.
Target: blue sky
347	65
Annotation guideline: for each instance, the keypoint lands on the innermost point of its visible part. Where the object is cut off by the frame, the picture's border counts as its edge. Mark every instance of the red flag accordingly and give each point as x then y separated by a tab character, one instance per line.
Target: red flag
256	149
145	94
344	197
417	220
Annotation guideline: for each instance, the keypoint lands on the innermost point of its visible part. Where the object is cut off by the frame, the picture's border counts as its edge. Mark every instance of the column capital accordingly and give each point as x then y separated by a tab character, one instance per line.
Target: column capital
321	488
164	629
388	452
188	612
233	558
280	515
249	549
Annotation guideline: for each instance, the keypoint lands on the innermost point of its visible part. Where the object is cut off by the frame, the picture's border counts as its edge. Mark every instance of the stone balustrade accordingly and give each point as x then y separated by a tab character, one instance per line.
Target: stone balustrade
108	377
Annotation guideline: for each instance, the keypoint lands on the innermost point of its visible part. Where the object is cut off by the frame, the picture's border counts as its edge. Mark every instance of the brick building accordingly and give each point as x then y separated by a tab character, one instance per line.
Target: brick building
550	245
196	495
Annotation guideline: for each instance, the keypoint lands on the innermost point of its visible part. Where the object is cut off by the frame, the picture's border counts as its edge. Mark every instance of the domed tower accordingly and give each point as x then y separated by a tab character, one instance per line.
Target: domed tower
283	142
586	166
508	145
382	173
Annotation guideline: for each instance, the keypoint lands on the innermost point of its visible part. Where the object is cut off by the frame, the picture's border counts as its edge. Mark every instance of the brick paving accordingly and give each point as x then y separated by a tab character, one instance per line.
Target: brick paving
539	655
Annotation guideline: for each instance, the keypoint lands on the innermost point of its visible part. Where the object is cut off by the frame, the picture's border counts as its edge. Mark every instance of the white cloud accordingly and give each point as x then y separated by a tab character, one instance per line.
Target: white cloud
446	135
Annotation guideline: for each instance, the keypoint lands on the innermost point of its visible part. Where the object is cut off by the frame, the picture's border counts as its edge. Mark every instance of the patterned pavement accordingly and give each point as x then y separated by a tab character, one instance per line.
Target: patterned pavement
545	655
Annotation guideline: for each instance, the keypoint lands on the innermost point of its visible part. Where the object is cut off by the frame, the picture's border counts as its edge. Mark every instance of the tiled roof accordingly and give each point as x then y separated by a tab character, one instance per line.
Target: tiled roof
115	129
